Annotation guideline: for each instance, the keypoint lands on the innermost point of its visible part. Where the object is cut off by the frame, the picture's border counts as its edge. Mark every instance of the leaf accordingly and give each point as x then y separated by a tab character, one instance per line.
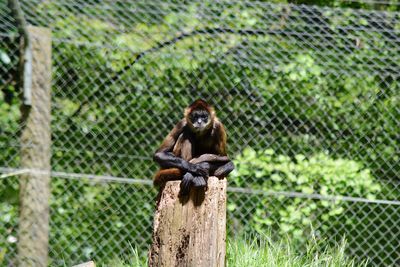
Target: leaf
4	57
231	206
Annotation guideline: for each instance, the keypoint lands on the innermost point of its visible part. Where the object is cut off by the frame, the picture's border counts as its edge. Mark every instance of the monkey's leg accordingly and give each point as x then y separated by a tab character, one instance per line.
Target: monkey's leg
217	168
169	160
221	170
165	175
210	158
186	182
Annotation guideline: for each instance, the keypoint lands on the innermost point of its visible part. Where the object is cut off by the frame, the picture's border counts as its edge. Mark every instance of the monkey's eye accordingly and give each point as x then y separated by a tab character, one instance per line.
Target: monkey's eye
199	117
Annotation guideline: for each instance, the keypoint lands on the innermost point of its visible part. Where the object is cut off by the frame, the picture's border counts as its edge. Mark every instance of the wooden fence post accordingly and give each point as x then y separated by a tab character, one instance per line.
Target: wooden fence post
191	231
35	154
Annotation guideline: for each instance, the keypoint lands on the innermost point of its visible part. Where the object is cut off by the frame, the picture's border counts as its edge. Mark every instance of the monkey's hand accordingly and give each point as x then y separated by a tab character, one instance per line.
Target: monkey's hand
200	169
195	177
189	180
186	182
199	181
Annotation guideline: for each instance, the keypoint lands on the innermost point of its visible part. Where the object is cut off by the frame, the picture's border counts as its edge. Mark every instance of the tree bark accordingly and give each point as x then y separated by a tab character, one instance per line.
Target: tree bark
190	231
33	229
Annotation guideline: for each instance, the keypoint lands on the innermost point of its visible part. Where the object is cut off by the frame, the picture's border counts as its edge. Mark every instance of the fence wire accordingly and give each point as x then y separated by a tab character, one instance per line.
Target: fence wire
309	96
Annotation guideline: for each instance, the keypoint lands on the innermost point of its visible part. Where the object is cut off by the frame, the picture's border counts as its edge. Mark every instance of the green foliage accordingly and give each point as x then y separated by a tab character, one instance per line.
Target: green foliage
317	174
9	115
99	220
297	94
8	221
4	58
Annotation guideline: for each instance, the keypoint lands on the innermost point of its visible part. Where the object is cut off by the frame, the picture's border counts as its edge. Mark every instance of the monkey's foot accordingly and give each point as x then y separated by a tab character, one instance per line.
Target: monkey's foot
199	181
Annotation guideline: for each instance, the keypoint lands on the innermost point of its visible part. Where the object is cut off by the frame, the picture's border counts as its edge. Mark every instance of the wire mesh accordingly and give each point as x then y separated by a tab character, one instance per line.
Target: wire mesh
313	91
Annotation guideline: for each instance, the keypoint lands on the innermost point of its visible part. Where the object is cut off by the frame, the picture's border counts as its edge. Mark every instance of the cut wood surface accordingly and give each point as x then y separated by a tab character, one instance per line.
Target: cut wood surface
86	264
190	231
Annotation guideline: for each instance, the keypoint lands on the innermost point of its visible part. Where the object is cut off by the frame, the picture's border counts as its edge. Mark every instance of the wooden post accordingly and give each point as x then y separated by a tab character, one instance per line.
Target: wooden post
86	264
190	231
35	155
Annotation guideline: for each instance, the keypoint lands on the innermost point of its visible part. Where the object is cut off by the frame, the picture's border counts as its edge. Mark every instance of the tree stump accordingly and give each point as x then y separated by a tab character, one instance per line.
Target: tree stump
191	230
86	264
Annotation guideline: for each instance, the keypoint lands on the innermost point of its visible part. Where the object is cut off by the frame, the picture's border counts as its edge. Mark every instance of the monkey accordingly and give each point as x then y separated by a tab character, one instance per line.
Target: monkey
194	149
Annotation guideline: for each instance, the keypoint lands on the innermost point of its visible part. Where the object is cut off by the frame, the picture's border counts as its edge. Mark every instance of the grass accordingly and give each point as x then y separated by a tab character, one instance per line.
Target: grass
266	253
262	252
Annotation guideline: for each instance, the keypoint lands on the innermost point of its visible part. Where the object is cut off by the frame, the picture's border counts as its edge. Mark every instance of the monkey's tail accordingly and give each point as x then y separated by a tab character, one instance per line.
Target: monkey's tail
165	175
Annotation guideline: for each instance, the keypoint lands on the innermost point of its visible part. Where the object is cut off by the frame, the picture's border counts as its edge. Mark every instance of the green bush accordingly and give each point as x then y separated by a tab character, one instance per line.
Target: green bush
8	221
317	174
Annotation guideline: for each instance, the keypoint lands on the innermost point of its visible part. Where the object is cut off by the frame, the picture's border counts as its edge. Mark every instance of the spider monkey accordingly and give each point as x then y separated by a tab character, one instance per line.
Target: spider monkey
194	149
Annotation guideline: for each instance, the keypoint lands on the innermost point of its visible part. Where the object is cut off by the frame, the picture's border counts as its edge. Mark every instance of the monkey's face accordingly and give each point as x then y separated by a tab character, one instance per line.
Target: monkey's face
199	120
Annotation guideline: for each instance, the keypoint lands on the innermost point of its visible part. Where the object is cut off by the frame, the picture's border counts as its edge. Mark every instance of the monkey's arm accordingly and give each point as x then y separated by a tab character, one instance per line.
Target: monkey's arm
224	170
218	168
169	160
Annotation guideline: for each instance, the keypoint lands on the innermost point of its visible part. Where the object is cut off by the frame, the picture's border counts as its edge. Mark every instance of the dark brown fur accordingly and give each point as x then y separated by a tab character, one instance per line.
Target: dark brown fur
189	145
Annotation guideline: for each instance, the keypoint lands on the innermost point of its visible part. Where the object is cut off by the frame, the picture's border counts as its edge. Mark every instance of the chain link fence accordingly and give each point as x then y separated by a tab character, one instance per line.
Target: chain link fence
309	96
